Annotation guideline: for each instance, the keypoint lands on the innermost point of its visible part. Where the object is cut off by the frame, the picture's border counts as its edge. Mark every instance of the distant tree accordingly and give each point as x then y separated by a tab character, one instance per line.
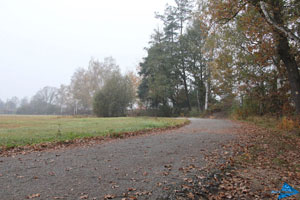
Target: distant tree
11	105
80	91
25	107
65	100
24	101
135	80
44	101
115	96
2	106
85	83
158	74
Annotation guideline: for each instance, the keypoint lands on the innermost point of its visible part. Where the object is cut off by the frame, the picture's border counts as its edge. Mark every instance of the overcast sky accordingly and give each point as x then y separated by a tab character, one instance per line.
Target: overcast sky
42	42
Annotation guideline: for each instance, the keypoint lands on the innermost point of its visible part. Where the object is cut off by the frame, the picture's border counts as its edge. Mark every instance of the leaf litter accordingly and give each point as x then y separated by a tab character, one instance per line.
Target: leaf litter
259	161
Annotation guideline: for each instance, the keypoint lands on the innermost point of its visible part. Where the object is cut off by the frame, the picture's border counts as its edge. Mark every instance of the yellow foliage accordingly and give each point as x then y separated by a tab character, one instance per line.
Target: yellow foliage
288	124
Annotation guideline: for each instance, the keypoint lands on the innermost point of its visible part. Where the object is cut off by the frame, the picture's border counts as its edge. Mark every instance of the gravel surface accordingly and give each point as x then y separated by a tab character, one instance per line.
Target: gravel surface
140	166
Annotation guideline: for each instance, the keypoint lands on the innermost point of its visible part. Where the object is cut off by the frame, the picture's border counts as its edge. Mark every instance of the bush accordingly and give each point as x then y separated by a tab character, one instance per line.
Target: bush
114	97
194	113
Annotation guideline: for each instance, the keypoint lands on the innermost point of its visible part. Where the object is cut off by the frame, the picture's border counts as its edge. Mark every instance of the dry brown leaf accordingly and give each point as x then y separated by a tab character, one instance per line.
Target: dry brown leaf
109	196
131	189
33	196
86	196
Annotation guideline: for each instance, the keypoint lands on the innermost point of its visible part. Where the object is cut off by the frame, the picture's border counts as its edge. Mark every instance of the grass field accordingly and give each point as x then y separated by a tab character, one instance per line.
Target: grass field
27	130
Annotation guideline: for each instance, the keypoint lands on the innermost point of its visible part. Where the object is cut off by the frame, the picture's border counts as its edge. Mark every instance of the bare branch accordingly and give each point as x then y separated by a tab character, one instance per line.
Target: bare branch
226	20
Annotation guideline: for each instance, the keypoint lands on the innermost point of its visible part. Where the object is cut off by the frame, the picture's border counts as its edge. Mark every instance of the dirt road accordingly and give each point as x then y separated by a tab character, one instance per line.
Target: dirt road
142	166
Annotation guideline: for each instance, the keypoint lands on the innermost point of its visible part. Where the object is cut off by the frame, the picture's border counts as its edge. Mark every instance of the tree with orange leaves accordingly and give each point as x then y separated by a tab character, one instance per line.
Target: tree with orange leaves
276	26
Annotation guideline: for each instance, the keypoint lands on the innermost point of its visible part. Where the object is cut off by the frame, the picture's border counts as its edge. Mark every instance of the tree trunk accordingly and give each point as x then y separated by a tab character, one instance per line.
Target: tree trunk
207	88
183	75
292	70
206	95
186	92
198	101
287	57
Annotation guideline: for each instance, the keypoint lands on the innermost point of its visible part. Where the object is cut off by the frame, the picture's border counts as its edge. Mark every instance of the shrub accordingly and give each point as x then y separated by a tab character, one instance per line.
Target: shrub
114	97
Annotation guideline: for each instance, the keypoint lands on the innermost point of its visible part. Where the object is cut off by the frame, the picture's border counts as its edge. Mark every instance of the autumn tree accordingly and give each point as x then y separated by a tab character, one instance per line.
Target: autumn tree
277	22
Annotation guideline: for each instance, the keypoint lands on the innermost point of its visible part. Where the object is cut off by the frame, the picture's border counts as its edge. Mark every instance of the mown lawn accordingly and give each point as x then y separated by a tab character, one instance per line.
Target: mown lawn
27	130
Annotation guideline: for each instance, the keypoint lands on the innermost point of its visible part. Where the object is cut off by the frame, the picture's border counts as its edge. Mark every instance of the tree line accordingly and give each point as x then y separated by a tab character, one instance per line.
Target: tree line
214	54
81	96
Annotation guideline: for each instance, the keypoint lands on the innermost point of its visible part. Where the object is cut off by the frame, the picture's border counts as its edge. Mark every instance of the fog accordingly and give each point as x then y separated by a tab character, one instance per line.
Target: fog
44	42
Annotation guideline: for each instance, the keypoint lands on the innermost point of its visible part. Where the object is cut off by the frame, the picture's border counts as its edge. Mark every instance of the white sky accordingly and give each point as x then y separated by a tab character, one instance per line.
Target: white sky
42	42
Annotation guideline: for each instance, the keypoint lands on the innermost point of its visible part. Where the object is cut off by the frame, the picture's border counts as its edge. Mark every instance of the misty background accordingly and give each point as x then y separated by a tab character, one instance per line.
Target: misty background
44	42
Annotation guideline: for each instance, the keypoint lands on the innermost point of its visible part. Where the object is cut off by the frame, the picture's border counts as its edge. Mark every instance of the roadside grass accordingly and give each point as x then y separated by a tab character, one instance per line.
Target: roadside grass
285	126
18	131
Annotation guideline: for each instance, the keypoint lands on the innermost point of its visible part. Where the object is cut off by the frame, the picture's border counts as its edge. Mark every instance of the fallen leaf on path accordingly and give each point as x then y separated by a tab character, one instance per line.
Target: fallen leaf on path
51	173
86	196
33	196
165	173
114	186
131	189
68	169
109	196
168	166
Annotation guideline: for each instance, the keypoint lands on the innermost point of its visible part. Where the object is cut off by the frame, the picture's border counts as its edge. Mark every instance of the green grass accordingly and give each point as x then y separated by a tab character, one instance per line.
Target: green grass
28	130
264	121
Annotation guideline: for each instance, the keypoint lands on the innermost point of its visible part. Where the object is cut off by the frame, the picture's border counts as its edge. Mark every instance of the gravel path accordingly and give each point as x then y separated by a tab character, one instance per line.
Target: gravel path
142	165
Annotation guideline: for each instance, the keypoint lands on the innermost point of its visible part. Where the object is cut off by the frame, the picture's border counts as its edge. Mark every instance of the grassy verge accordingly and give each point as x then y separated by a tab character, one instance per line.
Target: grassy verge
16	131
283	125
